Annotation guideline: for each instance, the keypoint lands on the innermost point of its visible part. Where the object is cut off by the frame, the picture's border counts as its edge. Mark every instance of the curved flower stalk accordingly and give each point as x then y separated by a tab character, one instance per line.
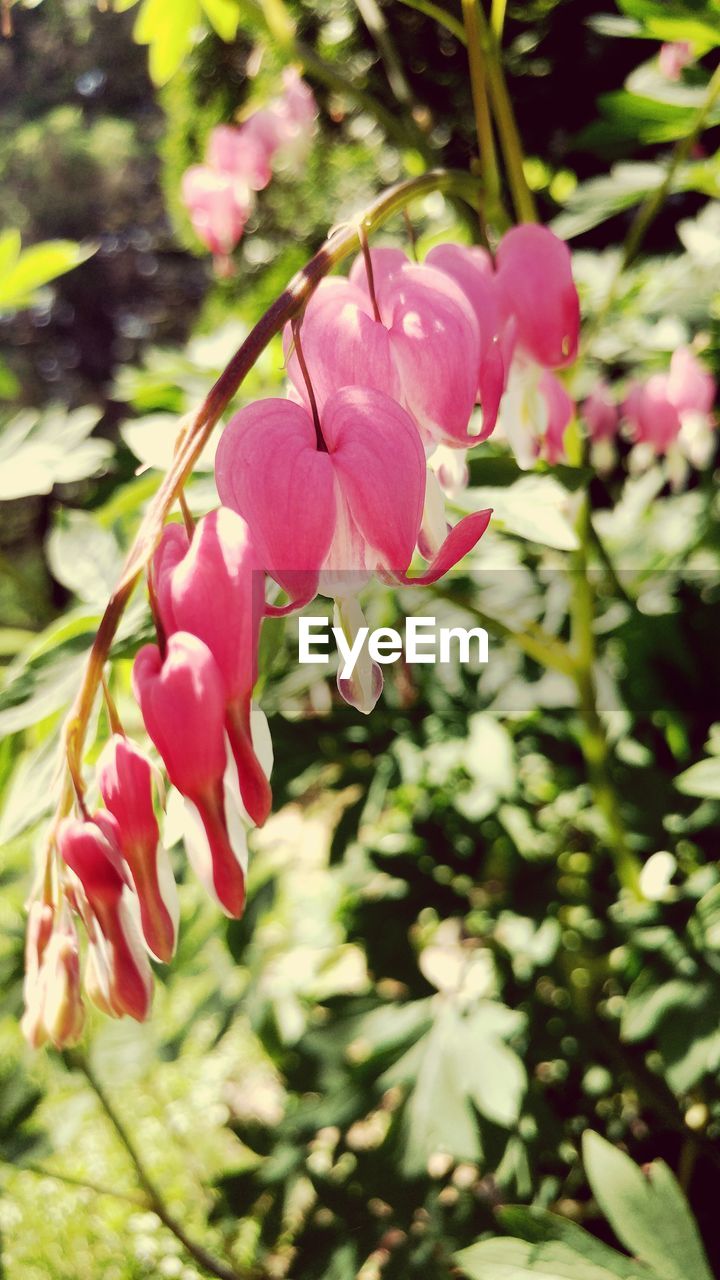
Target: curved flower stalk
107	870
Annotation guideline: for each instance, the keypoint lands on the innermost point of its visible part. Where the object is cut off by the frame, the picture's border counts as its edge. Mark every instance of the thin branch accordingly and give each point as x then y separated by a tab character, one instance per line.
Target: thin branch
439	15
155	1201
504	113
653	203
471	11
68	1179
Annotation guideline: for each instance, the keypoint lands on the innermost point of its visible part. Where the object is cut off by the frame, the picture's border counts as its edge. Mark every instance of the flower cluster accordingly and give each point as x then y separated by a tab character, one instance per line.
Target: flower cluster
668	415
340	481
220	194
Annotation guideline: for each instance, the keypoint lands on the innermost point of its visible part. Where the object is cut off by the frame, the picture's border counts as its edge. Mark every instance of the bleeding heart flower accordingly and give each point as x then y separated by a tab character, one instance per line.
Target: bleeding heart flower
182	699
90	848
423	350
326	513
125	779
535	413
219	206
537	295
472	269
214	588
53	1004
240	153
600	413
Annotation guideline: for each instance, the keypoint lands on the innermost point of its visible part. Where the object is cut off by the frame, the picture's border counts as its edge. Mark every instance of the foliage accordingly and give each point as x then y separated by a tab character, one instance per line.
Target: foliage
445	1035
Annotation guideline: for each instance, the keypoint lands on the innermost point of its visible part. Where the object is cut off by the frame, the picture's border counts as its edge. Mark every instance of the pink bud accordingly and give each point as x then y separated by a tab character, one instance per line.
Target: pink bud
53	1004
674	57
219	206
601	413
124	777
560	409
652	416
90	848
689	385
537	293
182	700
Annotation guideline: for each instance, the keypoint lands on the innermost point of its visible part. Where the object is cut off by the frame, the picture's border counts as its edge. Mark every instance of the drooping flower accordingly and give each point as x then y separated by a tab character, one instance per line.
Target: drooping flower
325	514
53	1003
659	408
535	413
600	413
182	698
537	295
213	588
90	848
423	349
125	779
241	154
219	205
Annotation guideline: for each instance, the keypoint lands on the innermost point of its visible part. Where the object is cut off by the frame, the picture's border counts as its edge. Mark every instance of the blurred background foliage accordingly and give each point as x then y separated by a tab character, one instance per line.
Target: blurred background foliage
437	988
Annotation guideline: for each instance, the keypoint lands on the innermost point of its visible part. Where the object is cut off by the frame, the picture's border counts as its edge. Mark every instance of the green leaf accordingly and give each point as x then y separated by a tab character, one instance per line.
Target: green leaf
519	1260
37	266
646	1210
223	16
438	1116
701	779
168	27
541	1226
495	1078
530	508
84	557
39	451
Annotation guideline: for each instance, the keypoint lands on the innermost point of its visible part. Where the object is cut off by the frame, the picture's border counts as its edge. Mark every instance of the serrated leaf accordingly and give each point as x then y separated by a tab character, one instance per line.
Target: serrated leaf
519	1260
541	1226
647	1210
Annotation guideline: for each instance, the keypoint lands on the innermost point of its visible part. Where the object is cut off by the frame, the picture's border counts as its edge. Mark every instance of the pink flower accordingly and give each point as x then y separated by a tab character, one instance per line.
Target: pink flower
182	699
423	351
215	589
285	127
674	57
537	295
219	206
125	779
326	513
601	413
53	1004
241	154
560	409
472	269
91	850
669	405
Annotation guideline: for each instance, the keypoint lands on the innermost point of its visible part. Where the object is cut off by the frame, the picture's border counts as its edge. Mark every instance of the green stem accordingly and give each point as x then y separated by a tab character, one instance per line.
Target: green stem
82	1184
472	18
509	134
654	202
593	738
497	18
538	644
439	15
155	1200
374	20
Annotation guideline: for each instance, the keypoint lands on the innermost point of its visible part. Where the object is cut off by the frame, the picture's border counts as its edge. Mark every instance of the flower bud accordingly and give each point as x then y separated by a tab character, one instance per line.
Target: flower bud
124	777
